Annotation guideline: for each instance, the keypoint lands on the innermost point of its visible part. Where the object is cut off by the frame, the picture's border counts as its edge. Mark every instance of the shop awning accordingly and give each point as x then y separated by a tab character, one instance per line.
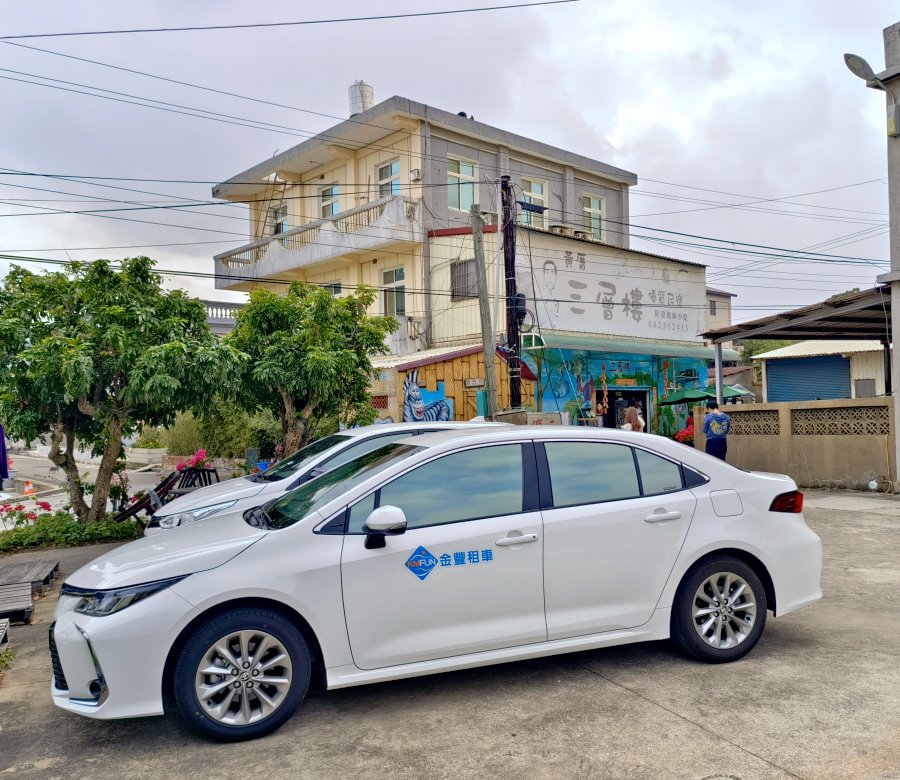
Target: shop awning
596	343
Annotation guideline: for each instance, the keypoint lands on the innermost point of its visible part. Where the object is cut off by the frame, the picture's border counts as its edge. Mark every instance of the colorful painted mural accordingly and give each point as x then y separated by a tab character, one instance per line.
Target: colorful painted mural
420	405
595	388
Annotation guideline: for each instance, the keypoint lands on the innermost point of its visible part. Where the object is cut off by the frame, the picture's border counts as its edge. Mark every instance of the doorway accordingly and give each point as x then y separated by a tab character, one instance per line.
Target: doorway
619	401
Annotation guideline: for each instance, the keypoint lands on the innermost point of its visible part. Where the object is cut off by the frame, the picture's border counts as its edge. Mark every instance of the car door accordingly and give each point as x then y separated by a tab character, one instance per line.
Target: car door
465	577
614	524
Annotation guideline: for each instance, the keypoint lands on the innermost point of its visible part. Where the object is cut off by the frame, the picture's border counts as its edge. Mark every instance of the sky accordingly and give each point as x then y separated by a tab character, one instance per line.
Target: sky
740	120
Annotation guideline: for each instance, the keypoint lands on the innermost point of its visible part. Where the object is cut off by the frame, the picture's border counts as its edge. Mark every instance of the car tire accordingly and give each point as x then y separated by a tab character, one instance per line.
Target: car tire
719	611
265	669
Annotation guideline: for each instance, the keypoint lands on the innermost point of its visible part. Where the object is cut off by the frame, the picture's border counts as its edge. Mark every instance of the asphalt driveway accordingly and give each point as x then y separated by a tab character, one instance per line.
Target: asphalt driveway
818	698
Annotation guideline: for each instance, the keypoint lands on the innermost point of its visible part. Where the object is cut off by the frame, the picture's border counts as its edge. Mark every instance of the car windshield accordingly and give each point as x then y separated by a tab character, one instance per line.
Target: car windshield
288	467
299	503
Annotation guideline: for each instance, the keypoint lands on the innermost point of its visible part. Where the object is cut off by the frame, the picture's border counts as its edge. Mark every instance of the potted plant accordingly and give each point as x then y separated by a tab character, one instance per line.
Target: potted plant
686	436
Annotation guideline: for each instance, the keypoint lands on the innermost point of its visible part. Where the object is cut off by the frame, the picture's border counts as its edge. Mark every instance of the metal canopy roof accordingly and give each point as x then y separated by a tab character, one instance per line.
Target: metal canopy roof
860	315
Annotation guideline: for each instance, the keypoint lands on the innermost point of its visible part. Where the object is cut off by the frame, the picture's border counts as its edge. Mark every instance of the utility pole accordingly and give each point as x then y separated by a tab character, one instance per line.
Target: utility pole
512	321
487	330
888	81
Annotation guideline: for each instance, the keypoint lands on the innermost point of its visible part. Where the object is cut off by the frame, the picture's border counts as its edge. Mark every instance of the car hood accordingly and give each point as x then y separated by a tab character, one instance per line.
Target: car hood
182	551
230	490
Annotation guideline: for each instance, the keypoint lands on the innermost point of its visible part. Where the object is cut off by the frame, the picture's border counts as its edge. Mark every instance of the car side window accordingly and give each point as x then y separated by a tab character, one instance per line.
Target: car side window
361	447
468	485
658	475
590	472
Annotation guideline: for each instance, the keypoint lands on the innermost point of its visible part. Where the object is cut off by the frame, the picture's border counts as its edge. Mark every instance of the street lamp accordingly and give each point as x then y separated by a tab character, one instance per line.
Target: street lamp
859	67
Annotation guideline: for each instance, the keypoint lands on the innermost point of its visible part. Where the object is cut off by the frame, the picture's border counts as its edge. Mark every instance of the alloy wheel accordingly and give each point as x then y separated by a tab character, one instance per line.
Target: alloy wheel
724	610
243	677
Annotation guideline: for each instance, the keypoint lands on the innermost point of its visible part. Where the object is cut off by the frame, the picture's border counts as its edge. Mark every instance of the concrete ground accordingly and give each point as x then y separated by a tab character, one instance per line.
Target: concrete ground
818	698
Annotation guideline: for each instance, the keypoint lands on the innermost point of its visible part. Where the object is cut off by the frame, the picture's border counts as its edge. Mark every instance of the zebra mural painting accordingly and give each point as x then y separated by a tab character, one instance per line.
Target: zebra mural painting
415	409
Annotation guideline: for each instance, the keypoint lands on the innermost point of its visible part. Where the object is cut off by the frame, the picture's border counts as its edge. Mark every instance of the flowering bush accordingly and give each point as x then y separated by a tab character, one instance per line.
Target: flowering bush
197	461
60	529
686	436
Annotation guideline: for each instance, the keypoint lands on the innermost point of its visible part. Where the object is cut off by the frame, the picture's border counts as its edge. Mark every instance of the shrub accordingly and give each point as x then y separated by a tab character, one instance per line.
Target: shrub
60	529
150	438
183	437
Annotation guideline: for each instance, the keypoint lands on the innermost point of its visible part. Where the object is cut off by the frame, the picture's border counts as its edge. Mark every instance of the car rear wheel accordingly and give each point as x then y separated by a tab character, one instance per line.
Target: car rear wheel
241	674
719	611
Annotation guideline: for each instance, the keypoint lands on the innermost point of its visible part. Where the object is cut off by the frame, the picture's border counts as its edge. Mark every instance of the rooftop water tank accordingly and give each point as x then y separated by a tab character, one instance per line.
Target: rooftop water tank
362	97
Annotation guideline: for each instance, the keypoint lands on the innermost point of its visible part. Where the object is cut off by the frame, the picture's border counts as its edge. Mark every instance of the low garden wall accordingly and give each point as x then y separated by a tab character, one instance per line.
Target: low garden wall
845	443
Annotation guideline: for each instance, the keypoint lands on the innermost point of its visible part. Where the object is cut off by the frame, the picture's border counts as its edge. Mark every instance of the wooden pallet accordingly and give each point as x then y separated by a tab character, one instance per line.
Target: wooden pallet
15	602
4	634
39	573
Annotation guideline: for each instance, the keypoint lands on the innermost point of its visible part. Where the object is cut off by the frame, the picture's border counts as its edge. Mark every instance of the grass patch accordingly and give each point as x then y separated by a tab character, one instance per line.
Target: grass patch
60	529
6	659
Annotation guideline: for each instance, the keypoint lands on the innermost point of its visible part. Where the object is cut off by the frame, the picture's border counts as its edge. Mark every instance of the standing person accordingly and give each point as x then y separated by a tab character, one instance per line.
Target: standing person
633	420
716	425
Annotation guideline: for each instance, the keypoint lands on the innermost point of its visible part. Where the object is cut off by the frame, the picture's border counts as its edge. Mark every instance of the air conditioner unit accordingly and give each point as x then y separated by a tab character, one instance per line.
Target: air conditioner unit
561	230
415	174
581	234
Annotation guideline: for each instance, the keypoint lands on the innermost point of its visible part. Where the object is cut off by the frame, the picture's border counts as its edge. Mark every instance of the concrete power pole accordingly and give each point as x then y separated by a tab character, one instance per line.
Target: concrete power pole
890	83
487	331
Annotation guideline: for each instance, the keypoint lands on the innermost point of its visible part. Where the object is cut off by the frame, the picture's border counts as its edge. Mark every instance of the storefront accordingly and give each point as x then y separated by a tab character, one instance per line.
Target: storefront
592	380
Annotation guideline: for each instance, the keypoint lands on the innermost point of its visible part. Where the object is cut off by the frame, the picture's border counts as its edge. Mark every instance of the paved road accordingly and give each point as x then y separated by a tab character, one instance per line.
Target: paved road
818	698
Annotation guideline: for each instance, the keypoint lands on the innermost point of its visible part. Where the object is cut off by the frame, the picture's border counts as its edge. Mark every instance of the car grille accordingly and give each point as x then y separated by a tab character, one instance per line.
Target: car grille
59	679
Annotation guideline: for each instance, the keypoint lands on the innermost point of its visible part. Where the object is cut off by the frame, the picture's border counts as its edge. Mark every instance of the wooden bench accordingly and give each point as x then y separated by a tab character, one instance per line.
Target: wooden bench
4	634
39	573
15	601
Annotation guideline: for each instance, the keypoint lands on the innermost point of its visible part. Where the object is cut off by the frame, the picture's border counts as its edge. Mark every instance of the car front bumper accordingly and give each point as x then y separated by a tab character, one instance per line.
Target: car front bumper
112	666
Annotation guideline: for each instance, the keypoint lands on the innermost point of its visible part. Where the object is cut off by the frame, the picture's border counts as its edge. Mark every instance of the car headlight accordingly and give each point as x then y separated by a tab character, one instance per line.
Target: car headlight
184	518
97	603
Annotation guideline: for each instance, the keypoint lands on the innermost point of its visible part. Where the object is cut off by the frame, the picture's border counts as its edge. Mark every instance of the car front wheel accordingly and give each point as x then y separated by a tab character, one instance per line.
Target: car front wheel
719	611
241	674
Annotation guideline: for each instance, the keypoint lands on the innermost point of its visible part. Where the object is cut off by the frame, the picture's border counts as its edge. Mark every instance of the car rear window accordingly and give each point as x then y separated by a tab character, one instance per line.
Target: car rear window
590	472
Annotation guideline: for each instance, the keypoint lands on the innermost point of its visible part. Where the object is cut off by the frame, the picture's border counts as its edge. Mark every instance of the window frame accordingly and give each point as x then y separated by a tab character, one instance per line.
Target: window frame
589	213
712	308
532	218
332	203
471	281
280	218
390	180
530	497
545	485
389	291
462	179
333	287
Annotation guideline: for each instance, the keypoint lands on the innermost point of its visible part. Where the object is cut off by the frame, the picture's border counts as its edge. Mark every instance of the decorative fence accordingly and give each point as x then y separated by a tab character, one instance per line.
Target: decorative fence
846	443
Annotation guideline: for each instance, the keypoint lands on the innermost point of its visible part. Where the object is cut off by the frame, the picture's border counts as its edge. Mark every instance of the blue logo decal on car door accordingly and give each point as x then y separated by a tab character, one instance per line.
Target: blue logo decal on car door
421	563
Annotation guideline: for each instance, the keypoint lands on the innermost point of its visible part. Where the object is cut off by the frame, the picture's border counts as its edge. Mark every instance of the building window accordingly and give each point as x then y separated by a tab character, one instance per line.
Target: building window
865	388
463	282
333	287
329	200
394	292
593	216
460	184
712	308
535	193
278	217
389	178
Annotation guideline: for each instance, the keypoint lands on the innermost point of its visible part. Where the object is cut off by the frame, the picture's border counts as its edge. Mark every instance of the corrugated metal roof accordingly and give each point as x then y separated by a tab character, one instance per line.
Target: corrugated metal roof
638	346
817	348
424	357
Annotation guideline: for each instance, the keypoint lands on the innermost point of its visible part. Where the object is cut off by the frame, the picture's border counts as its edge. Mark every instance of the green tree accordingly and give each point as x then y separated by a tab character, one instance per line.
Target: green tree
91	353
309	357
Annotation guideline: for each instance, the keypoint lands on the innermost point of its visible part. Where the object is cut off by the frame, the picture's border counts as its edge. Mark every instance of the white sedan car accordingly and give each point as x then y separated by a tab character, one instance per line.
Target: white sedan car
439	552
305	464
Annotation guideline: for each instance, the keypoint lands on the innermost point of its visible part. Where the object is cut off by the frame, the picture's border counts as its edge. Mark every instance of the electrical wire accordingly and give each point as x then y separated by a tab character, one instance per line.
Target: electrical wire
305	22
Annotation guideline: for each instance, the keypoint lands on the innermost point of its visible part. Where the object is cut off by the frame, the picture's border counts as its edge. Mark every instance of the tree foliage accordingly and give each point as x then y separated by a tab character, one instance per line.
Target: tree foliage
308	357
751	347
90	353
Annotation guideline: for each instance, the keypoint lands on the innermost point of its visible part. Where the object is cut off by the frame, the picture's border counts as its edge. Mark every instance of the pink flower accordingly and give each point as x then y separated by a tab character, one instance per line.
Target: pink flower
31	516
6	508
44	505
180	467
19	507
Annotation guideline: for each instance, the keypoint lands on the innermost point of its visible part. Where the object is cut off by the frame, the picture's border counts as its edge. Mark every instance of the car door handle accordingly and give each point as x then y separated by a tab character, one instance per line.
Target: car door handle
509	541
659	517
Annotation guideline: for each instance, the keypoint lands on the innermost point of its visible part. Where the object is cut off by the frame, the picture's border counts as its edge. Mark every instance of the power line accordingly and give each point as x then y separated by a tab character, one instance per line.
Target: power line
381	17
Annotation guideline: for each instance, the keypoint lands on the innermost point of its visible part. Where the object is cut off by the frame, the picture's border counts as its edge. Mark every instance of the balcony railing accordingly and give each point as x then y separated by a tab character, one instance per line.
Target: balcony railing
386	220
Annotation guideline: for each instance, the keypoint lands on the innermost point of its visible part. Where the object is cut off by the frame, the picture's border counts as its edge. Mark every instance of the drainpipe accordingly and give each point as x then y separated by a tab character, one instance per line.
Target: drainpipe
426	241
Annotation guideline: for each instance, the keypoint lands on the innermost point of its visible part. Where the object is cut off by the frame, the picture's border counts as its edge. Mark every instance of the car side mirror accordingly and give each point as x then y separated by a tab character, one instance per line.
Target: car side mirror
381	522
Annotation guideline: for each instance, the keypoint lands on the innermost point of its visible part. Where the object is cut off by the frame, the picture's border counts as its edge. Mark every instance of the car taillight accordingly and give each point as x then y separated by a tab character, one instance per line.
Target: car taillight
788	502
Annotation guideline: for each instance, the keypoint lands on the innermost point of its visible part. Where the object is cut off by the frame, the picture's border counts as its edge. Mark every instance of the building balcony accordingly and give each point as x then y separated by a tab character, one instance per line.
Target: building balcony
394	219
